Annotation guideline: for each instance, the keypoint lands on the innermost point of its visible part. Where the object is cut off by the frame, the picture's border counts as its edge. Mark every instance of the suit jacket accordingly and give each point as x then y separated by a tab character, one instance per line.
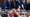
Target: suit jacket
25	5
16	4
28	7
12	5
3	6
5	15
8	5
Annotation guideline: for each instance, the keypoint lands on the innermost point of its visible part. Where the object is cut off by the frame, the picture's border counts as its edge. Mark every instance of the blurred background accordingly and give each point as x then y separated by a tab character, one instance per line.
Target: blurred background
14	8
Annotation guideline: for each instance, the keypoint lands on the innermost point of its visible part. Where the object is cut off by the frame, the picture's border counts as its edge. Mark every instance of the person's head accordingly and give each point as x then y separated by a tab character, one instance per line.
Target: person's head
8	14
14	10
3	11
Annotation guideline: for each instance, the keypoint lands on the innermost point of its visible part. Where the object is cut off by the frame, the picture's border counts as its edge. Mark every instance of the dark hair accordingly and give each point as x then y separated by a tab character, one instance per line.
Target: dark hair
28	6
3	10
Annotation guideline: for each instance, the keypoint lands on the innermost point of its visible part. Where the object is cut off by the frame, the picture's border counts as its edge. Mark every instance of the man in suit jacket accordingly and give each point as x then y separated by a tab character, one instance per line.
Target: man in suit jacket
8	4
21	4
16	4
3	6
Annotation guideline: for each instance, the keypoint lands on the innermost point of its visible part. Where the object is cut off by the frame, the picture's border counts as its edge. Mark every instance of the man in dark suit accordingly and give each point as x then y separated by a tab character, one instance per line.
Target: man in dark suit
12	4
21	4
24	3
16	4
8	4
28	7
3	6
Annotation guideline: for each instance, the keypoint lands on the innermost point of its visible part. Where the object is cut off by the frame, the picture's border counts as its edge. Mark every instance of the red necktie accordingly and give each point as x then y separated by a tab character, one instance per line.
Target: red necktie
15	15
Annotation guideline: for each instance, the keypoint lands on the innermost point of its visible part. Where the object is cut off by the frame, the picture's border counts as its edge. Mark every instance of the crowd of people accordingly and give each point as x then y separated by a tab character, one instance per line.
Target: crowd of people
14	13
10	4
14	9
